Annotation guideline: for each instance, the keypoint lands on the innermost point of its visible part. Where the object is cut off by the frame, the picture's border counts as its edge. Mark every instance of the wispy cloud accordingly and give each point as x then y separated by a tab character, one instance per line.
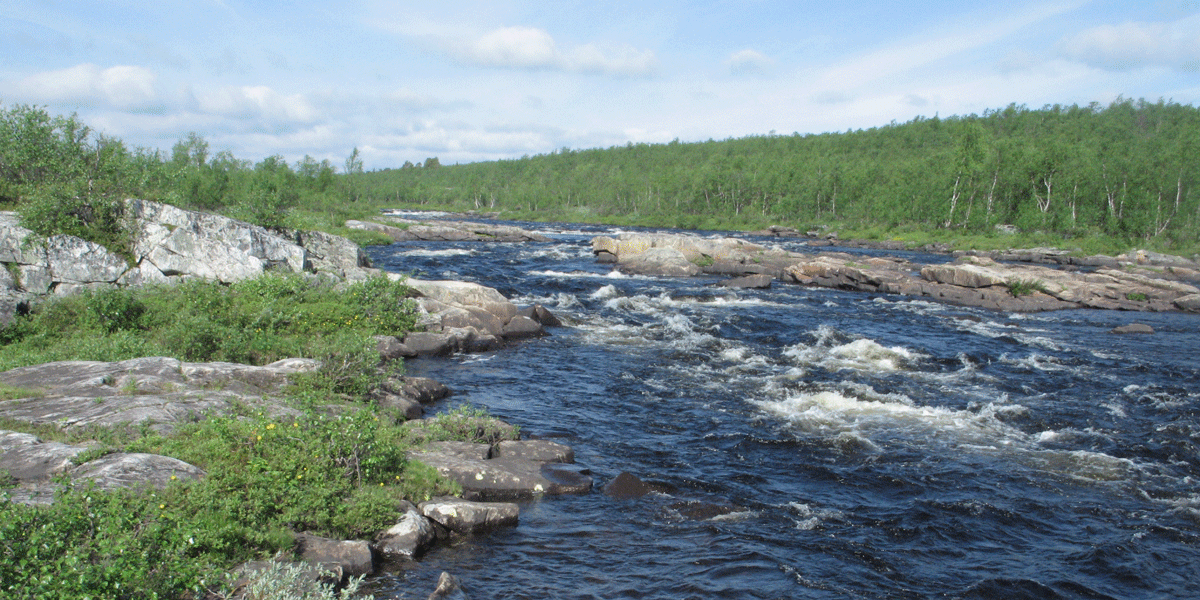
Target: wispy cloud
1135	45
749	62
535	49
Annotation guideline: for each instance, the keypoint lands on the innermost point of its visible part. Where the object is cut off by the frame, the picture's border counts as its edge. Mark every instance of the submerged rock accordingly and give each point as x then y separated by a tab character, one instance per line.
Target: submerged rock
1133	328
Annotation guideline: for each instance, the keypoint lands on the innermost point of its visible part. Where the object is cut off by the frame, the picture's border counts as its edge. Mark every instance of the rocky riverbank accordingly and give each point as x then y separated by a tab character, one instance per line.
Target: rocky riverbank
1139	281
159	394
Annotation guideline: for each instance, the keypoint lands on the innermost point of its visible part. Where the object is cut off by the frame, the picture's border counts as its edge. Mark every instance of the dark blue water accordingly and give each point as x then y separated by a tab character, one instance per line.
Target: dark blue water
852	445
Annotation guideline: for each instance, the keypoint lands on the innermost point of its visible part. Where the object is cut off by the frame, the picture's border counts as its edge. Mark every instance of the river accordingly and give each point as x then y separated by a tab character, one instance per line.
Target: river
812	443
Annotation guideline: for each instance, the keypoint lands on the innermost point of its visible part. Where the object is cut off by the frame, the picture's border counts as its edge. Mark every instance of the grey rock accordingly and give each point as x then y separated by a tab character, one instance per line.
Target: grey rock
391	348
543	451
27	458
522	327
503	478
123	470
350	558
466	516
758	281
448	588
666	262
161	391
424	343
540	314
626	486
1133	328
1190	302
409	537
420	389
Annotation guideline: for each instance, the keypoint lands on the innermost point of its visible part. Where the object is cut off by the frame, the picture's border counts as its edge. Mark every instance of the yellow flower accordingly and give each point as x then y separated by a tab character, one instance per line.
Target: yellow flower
162	506
270	426
260	438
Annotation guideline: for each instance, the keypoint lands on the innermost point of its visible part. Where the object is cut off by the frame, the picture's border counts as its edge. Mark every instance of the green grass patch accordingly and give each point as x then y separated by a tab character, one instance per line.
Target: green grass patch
256	322
1025	287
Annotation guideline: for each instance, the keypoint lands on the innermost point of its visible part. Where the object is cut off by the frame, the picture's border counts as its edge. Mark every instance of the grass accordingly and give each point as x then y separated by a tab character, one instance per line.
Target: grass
1025	287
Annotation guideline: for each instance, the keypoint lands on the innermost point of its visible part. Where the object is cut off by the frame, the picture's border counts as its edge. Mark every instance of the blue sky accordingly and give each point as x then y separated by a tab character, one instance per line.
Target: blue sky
469	81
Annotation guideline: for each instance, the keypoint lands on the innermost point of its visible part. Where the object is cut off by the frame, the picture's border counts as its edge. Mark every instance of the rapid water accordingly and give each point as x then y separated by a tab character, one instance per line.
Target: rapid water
820	444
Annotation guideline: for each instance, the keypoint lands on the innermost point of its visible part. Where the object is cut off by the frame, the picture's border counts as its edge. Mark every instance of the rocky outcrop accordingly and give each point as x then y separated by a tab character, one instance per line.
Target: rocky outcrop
668	254
1152	282
404	230
458	316
169	243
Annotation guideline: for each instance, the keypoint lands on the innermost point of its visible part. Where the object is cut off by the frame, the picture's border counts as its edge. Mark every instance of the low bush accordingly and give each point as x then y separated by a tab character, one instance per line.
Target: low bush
267	476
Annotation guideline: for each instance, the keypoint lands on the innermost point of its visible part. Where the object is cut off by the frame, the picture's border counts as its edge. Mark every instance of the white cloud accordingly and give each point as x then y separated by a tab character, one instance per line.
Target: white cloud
533	48
256	102
123	86
749	62
1138	44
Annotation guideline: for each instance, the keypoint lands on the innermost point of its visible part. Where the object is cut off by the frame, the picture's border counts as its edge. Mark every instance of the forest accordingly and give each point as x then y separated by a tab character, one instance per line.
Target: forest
1126	173
1105	178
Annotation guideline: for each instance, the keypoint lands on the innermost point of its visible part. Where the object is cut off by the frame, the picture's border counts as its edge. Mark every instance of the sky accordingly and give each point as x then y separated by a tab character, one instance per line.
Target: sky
486	80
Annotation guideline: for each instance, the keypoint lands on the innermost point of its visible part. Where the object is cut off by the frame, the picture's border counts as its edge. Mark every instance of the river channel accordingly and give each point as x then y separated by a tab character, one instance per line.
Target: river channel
812	443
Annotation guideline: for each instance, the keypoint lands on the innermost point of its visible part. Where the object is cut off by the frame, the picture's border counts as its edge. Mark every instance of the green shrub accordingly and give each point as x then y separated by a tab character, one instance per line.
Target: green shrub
116	310
467	423
1025	287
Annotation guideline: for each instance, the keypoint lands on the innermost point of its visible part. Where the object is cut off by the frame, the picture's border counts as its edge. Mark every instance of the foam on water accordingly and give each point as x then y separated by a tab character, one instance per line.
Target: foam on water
860	355
859	411
425	252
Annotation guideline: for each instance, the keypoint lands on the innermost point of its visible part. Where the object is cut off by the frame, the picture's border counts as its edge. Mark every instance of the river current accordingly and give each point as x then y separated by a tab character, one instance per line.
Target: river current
813	443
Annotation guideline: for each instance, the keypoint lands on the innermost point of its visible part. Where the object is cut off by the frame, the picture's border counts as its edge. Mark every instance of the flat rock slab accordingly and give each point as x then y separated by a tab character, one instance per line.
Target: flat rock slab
466	516
518	470
35	464
157	390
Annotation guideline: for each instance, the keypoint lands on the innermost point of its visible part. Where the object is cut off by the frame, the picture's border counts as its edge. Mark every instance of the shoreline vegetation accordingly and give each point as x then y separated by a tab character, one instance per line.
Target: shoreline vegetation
1087	179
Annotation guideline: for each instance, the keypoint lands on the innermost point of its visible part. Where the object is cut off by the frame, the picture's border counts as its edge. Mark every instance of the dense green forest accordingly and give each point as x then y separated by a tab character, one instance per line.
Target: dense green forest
1120	175
1127	172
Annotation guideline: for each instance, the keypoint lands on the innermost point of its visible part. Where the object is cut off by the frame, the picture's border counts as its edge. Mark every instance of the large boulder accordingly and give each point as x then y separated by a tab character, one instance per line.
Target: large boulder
412	534
347	558
466	516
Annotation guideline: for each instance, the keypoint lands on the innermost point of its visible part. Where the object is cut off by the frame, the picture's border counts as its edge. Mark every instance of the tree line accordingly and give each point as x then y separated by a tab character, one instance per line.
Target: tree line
1127	171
